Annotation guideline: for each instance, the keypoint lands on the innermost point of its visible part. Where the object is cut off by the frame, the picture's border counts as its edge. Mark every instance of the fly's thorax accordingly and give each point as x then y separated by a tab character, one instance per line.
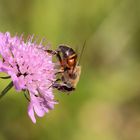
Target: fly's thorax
66	50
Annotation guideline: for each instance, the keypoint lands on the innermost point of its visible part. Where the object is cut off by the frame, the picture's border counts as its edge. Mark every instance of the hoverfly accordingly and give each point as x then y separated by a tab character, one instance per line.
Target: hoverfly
69	68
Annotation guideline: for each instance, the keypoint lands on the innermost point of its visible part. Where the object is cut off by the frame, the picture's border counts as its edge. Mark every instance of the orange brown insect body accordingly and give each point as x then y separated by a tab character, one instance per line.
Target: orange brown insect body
69	71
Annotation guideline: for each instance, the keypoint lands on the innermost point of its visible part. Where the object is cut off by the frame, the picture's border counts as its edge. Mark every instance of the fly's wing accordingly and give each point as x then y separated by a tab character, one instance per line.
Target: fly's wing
77	73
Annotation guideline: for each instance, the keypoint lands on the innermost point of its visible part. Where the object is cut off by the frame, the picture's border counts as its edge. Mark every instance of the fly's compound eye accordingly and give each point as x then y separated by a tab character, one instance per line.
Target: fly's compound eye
71	62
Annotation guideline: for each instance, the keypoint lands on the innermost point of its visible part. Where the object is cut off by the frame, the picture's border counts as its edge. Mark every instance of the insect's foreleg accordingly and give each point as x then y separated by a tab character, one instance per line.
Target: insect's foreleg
57	53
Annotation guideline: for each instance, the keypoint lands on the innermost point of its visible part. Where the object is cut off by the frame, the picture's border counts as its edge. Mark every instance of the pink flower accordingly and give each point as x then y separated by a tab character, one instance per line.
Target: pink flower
31	69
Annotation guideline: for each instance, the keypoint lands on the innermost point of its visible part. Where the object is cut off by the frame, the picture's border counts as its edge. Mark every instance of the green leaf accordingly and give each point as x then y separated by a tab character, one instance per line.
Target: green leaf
5	77
26	94
9	86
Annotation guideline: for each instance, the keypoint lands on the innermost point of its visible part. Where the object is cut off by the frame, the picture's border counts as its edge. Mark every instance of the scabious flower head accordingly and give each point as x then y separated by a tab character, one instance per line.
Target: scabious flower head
31	69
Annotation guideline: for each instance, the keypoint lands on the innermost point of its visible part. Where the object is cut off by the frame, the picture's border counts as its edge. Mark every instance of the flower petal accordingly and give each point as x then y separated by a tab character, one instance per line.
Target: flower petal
30	68
31	113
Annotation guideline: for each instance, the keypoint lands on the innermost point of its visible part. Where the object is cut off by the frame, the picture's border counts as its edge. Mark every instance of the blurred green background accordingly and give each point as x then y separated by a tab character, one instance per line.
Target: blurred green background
106	103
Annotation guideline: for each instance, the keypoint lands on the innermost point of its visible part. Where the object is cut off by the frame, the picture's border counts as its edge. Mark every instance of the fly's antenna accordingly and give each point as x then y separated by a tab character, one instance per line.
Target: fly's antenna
82	50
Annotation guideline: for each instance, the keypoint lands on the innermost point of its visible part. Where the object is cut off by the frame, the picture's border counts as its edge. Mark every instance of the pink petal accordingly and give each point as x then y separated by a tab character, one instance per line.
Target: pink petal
39	110
31	113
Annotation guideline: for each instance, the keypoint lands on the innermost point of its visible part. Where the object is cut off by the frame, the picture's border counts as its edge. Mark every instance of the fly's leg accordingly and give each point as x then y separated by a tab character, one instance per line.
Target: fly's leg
54	82
63	87
60	71
57	53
